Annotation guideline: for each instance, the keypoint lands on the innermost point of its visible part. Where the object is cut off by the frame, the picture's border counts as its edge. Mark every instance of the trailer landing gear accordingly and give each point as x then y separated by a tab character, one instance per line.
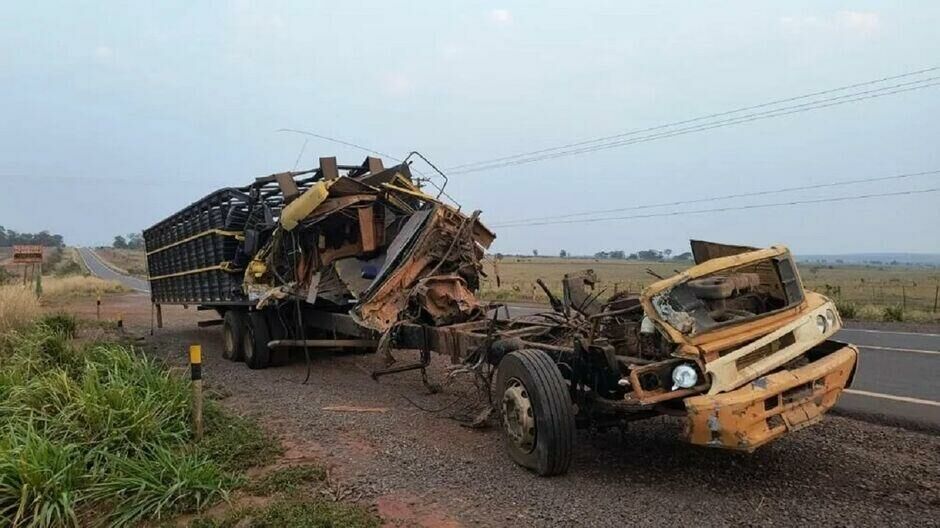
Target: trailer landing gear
537	414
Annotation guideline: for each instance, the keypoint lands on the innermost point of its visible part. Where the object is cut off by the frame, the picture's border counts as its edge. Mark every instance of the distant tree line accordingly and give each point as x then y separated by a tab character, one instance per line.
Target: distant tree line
8	237
646	254
129	241
619	254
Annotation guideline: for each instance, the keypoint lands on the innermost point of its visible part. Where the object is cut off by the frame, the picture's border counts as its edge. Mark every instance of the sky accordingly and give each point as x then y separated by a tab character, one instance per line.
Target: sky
117	114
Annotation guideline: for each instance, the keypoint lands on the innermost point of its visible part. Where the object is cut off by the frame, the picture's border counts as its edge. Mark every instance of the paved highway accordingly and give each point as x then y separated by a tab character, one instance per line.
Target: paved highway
898	373
98	268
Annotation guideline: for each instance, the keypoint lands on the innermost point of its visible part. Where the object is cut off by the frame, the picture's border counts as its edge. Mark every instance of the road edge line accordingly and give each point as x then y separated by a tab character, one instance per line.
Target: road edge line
904	399
895	349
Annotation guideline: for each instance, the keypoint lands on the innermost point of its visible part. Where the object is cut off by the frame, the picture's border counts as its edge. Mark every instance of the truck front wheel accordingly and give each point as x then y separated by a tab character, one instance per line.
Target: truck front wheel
257	336
234	326
536	412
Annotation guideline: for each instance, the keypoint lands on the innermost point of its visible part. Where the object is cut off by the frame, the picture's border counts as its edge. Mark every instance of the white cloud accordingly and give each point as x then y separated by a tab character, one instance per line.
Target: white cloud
449	52
397	84
802	23
863	22
501	17
104	53
850	22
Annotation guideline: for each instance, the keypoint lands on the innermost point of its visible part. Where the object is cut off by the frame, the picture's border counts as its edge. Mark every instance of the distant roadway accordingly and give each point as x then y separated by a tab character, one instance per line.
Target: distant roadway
98	268
898	373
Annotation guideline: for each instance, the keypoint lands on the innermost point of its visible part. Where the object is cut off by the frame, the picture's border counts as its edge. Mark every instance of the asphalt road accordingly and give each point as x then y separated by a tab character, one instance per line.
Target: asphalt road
897	376
98	268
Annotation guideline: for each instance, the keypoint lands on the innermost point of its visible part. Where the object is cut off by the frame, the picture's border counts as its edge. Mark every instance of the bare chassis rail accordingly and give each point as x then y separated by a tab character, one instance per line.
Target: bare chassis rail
460	342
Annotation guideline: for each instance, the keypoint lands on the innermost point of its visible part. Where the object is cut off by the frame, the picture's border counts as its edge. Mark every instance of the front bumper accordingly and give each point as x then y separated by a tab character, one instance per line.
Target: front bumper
768	407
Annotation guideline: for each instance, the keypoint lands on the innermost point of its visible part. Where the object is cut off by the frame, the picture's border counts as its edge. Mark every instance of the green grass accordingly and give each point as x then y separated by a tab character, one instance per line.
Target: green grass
236	443
100	434
286	480
296	504
295	513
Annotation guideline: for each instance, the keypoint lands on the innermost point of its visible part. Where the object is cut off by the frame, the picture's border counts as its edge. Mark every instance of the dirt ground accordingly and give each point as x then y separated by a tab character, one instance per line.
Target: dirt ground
421	468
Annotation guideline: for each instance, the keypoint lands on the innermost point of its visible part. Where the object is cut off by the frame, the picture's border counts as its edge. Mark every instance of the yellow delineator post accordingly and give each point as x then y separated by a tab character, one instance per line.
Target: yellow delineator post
195	369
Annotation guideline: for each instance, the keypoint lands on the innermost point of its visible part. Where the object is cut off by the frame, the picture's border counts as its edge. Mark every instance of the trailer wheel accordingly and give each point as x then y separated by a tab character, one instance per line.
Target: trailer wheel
536	412
257	336
234	325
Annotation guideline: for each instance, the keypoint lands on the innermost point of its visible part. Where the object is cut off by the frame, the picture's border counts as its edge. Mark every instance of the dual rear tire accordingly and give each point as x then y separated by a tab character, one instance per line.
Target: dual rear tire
245	337
234	324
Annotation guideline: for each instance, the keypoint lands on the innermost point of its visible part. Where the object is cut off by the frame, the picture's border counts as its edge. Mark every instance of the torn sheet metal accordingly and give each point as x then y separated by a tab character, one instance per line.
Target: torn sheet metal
445	299
370	241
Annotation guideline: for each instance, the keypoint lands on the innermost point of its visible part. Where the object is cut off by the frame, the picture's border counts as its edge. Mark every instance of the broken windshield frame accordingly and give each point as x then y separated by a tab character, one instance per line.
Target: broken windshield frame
731	296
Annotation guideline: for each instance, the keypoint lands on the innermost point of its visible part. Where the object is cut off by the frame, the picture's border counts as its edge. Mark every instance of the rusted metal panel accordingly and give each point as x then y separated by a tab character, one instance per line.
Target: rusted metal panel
289	188
703	251
374	165
367	229
328	168
748	417
446	299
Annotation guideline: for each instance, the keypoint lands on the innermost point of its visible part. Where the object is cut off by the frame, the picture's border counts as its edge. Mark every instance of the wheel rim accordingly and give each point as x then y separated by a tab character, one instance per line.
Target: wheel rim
228	340
518	416
249	346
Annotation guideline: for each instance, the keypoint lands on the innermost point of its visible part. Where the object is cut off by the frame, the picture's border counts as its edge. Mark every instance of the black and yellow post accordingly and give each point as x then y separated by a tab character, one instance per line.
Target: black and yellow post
195	369
98	306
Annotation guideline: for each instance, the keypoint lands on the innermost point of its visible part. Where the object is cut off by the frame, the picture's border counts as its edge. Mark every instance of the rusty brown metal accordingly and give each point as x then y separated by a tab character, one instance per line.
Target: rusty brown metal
446	299
328	168
288	186
768	407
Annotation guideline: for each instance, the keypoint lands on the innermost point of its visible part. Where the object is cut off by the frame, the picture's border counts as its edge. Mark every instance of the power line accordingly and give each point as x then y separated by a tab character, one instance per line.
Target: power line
805	107
732	208
369	151
525	221
338	141
701	118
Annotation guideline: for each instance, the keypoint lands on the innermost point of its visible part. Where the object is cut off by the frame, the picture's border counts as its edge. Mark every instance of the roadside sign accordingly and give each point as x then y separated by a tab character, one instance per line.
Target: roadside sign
27	254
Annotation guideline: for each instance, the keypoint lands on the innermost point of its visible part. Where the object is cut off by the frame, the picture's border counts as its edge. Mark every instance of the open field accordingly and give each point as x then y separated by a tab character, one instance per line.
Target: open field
869	289
129	261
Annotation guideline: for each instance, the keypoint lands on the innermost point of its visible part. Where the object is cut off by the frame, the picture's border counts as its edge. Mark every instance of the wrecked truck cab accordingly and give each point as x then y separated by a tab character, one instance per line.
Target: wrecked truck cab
755	343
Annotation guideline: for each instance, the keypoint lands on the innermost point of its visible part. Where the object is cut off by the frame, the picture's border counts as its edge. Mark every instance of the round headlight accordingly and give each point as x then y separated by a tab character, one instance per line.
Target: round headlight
830	316
822	324
684	377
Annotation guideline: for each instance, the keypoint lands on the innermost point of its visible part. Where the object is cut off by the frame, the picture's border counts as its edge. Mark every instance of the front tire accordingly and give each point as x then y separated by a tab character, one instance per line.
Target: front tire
234	326
536	412
256	338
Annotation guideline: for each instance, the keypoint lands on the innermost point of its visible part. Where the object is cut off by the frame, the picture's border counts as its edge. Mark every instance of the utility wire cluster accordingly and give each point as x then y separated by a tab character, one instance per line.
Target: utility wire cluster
729	208
914	80
573	218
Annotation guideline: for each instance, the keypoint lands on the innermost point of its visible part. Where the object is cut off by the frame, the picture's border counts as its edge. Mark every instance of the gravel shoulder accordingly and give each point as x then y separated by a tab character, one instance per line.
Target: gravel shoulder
420	468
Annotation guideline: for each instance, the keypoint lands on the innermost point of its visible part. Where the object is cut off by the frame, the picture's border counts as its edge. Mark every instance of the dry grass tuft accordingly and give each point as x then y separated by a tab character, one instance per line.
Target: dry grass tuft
18	307
77	286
